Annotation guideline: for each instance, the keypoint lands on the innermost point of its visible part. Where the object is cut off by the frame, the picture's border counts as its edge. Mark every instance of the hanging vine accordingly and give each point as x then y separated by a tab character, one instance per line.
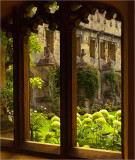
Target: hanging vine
88	78
111	79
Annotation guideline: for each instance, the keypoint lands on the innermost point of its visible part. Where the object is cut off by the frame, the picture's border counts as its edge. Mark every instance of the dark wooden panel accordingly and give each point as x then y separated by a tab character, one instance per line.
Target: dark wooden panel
131	89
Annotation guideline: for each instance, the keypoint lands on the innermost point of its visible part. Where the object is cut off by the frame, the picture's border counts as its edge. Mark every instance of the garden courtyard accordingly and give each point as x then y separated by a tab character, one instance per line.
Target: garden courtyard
98	83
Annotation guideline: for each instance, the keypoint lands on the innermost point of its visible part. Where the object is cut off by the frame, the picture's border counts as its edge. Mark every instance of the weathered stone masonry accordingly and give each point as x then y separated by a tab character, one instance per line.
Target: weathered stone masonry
100	38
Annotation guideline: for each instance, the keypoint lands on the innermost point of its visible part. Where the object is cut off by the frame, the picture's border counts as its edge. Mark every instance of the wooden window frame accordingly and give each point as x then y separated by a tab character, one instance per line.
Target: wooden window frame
78	45
102	43
112	43
93	39
68	87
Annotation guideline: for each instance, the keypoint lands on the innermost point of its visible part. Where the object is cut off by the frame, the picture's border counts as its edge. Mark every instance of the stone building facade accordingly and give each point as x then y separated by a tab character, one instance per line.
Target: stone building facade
98	43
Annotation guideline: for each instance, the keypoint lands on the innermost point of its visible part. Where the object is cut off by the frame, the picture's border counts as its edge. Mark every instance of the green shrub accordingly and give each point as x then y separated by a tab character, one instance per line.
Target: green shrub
50	115
55	118
88	78
83	111
116	123
118	107
93	131
79	121
54	89
111	79
78	115
6	123
114	133
110	119
97	115
37	121
114	108
87	116
55	125
108	109
78	109
101	121
104	112
86	126
118	115
48	135
87	121
41	109
93	110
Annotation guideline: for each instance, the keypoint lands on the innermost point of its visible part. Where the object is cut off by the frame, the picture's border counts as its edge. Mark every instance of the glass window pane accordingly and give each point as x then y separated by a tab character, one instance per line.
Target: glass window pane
44	76
6	87
98	67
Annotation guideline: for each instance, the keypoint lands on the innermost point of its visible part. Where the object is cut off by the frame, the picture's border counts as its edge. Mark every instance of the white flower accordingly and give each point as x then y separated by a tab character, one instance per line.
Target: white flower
55	118
104	112
117	123
55	124
101	121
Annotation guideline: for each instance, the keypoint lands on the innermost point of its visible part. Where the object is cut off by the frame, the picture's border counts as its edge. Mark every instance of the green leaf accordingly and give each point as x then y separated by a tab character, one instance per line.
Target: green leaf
118	144
107	133
100	136
100	125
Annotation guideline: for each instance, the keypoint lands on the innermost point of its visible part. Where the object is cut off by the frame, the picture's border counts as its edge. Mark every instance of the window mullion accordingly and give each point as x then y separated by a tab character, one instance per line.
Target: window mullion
68	91
21	83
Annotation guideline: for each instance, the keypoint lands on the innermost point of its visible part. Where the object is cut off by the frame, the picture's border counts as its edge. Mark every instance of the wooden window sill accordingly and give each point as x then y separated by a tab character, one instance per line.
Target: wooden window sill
95	153
41	147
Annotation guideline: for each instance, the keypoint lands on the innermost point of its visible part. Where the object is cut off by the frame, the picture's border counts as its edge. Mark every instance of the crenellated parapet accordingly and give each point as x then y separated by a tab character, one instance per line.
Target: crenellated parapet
99	23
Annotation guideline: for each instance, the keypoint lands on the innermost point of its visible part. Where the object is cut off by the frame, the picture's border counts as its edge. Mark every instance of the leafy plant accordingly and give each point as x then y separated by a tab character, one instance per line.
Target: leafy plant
50	115
7	92
118	115
54	89
54	5
37	121
88	78
34	47
111	79
53	136
98	131
82	111
36	82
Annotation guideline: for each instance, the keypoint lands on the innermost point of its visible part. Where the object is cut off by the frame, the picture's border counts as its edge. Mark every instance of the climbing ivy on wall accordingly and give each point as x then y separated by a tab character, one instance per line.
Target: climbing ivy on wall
54	89
88	78
111	79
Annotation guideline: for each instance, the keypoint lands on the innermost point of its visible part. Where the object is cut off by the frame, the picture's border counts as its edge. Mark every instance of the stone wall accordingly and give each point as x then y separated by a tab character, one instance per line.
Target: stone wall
86	35
100	30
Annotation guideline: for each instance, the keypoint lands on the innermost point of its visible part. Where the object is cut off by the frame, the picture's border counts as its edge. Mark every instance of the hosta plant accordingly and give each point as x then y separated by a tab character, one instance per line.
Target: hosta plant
99	130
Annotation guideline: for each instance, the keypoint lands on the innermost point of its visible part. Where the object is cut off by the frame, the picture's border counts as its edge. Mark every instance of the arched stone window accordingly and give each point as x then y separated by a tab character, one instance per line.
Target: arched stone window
66	20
